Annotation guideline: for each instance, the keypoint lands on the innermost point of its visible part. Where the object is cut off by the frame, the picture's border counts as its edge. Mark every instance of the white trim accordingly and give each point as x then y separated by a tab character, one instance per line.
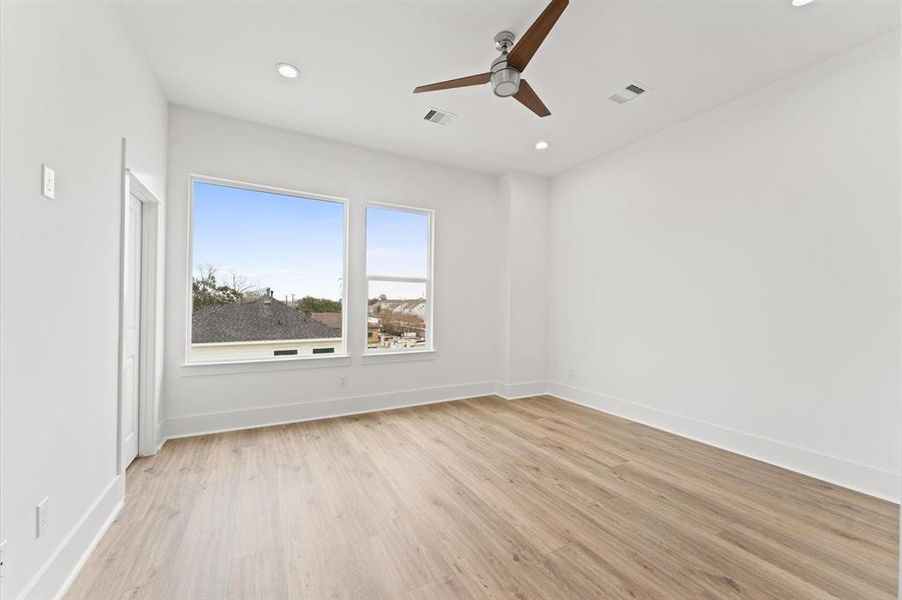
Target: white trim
527	389
265	364
161	439
371	358
268	342
57	574
151	337
345	202
120	327
151	298
863	478
250	418
272	189
397	279
429	280
402	207
139	190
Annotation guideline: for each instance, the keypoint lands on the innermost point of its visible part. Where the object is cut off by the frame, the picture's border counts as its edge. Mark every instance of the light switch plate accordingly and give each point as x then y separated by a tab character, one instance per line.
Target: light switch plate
48	182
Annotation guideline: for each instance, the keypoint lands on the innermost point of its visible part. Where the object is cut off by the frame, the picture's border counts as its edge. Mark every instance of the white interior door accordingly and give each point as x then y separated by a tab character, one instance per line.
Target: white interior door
131	367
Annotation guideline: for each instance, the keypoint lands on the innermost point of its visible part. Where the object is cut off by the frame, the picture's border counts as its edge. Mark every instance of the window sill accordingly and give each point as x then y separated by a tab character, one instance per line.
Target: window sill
265	365
399	356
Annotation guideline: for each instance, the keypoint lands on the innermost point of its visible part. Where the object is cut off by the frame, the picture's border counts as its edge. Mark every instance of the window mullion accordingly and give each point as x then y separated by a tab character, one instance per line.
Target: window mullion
397	279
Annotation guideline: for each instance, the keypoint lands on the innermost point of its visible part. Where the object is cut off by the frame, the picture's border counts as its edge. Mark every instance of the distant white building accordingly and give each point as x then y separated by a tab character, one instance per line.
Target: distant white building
416	307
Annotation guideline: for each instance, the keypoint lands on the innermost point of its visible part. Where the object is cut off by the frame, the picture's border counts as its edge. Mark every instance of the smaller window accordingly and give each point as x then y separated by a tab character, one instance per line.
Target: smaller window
399	279
287	352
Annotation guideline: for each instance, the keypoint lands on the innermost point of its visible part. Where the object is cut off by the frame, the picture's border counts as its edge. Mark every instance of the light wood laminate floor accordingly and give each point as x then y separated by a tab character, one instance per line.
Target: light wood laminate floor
483	498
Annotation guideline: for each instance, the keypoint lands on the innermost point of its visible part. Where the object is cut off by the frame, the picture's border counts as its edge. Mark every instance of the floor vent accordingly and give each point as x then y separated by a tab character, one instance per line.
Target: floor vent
441	117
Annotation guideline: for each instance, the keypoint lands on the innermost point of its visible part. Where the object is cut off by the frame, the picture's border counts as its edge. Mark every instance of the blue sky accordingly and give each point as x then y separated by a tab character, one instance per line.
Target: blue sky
294	245
395	242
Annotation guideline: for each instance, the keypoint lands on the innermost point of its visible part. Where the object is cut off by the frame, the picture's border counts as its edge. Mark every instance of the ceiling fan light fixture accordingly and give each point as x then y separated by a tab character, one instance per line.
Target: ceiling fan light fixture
505	79
287	70
505	83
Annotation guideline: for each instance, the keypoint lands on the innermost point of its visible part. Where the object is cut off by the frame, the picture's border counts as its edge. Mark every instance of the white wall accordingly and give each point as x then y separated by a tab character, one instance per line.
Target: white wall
71	86
208	397
736	278
523	279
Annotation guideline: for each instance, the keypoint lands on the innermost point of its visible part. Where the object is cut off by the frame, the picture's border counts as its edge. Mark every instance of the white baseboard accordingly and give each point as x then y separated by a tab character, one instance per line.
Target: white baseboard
250	418
512	391
61	569
161	438
863	478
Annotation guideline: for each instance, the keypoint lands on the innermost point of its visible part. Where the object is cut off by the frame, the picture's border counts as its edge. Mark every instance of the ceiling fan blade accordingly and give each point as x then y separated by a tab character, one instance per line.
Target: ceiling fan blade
523	50
528	98
455	83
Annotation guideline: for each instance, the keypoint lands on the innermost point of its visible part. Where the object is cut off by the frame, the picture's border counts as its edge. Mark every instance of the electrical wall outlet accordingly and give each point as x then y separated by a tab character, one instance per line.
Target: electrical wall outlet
41	517
48	182
2	557
572	374
343	381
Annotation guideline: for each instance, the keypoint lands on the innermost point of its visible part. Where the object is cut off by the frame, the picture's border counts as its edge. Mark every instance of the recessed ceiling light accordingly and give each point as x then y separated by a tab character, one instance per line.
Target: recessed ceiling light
287	70
801	2
541	145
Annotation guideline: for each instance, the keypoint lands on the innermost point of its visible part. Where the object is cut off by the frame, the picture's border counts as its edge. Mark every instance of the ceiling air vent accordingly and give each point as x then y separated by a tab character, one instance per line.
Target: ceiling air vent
442	117
627	93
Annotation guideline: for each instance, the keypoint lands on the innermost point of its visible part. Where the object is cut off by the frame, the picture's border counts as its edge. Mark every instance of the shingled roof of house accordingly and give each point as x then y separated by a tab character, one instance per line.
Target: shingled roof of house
259	320
332	320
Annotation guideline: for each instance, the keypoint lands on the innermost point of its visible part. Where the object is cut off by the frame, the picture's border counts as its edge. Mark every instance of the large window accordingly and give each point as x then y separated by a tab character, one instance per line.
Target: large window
268	272
399	279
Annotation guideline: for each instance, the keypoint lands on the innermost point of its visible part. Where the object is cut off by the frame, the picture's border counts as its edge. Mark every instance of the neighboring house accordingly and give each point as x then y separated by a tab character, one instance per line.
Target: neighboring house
332	319
403	315
373	331
260	328
396	324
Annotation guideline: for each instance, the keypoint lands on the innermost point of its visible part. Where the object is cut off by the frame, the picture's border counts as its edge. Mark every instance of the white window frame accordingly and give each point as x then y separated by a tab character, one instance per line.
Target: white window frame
192	178
429	280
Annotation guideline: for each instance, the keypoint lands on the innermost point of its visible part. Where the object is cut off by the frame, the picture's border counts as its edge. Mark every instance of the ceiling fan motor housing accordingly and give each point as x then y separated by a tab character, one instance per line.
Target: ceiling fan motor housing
505	78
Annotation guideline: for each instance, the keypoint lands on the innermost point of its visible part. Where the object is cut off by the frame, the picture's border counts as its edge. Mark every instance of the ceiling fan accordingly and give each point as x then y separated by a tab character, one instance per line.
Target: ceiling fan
506	69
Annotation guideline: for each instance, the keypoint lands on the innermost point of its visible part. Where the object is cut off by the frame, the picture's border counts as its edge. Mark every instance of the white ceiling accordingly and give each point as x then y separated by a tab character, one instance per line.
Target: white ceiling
361	60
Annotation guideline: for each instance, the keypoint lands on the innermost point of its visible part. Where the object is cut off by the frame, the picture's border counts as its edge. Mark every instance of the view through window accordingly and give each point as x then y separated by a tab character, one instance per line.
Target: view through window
398	263
268	269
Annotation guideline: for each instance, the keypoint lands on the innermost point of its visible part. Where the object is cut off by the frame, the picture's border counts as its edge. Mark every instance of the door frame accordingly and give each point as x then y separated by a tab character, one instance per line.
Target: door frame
150	325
